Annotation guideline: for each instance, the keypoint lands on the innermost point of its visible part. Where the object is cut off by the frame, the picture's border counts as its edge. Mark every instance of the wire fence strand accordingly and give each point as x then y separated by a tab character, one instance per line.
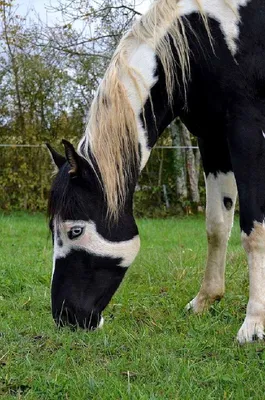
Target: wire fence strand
43	145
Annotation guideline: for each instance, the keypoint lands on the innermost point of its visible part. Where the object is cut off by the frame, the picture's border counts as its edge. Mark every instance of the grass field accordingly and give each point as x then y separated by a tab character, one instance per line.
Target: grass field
149	348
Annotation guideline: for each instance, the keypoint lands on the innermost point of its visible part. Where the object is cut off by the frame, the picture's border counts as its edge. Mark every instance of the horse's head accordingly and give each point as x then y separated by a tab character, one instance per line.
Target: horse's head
91	254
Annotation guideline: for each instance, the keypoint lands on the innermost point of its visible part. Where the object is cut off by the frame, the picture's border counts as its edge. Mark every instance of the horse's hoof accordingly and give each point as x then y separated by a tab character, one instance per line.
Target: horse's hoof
251	331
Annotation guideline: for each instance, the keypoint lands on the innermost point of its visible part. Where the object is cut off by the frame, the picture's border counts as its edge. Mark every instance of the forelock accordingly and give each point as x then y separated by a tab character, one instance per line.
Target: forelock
66	200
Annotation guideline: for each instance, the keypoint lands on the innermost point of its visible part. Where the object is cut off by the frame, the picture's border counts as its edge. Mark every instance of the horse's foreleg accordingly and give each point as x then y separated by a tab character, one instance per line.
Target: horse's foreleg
248	157
254	323
220	203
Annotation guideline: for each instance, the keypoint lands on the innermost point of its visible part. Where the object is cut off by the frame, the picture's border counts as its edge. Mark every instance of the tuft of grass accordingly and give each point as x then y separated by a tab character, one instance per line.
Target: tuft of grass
149	348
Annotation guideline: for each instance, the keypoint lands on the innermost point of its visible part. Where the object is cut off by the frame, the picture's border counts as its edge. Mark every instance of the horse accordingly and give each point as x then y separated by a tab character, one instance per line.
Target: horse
199	60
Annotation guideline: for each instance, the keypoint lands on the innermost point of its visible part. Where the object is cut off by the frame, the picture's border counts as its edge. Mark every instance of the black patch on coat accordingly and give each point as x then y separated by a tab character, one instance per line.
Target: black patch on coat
225	105
228	203
59	239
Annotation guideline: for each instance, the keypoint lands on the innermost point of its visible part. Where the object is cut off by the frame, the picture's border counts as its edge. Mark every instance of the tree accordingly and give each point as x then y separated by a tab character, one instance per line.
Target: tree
48	77
187	165
179	161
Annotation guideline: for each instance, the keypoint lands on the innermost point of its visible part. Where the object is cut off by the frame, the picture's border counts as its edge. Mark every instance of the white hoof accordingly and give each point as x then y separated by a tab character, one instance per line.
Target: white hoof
251	330
203	301
197	305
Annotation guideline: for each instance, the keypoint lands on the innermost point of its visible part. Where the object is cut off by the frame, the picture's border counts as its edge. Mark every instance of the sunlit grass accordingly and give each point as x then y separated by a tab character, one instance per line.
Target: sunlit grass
149	348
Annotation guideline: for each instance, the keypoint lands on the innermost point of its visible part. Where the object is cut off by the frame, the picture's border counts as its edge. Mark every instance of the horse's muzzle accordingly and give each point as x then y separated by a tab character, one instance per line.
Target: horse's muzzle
85	320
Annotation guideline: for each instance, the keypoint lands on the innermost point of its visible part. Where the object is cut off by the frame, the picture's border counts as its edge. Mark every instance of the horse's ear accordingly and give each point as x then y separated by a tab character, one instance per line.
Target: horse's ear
57	159
72	157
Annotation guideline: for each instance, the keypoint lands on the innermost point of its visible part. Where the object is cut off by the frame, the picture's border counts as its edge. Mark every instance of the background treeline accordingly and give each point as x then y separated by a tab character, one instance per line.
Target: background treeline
48	76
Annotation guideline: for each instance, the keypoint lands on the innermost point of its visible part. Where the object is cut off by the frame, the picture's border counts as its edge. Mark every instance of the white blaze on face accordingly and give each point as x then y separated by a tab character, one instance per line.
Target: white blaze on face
254	323
92	242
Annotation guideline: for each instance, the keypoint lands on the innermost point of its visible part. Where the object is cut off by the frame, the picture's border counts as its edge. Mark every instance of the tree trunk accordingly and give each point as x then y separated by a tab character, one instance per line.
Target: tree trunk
179	161
192	168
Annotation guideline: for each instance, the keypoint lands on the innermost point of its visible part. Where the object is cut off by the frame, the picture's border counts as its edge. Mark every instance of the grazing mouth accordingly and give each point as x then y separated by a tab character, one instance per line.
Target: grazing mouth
68	318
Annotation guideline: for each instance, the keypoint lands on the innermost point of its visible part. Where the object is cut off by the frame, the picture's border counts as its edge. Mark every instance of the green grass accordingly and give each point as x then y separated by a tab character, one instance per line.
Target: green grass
149	348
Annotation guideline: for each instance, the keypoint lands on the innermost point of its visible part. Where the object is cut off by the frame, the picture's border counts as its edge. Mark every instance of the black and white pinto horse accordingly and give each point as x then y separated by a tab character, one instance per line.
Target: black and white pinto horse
202	61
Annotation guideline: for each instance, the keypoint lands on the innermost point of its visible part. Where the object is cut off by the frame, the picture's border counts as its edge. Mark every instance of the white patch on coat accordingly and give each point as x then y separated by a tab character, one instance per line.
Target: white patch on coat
219	222
224	12
142	60
263	134
218	219
53	265
254	323
92	242
101	323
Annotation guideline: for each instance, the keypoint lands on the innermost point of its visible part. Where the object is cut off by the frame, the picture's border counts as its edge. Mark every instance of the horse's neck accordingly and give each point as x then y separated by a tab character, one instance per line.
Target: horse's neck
147	96
142	61
156	113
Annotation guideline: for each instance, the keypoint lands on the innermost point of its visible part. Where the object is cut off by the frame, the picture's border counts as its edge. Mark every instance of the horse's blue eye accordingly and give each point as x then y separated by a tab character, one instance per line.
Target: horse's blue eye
75	232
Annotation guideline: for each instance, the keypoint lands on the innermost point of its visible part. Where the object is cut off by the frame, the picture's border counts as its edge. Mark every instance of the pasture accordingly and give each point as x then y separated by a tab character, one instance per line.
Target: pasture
149	348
